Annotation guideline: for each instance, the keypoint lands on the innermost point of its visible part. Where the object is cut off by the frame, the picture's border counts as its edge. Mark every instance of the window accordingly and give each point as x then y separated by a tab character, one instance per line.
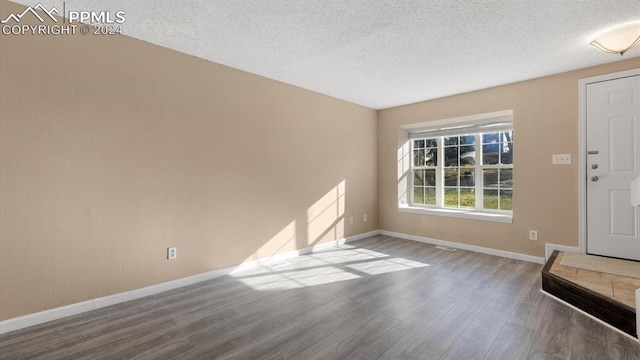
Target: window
461	167
472	171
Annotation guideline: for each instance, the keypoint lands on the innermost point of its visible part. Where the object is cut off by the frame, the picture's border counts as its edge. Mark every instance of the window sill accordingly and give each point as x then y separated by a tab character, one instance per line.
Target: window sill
464	214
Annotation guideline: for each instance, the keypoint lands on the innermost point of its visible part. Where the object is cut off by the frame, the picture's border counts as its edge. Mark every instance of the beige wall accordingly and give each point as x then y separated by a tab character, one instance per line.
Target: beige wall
545	196
113	149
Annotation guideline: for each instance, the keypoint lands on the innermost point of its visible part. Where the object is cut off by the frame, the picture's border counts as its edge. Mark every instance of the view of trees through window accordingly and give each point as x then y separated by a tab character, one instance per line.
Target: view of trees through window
450	166
425	159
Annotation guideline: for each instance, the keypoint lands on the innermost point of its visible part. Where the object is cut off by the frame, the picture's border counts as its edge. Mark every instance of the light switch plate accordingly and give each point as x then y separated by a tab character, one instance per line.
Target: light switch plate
561	159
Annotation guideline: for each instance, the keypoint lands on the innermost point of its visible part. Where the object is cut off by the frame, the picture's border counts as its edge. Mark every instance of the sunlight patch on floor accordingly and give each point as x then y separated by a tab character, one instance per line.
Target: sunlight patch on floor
324	268
296	279
386	266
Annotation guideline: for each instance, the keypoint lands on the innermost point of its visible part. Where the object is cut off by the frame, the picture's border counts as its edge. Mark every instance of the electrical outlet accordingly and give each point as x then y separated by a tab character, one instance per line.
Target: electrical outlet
351	220
364	218
561	159
533	235
172	253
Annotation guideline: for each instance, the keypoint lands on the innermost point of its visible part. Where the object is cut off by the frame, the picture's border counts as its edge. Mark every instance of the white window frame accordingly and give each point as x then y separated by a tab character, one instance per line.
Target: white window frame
405	166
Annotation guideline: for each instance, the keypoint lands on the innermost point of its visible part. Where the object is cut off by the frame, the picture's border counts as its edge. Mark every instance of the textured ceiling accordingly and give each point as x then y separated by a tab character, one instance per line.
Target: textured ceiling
375	53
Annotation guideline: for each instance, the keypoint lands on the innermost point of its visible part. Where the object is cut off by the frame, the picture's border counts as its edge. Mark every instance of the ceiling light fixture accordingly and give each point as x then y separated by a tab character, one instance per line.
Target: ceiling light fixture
619	39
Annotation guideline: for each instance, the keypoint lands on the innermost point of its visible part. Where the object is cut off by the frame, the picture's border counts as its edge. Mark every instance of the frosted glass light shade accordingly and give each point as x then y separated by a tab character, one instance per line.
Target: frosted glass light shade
618	40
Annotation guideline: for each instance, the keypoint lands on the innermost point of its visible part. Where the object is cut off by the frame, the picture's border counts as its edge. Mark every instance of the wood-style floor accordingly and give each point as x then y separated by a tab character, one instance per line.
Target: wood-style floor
378	298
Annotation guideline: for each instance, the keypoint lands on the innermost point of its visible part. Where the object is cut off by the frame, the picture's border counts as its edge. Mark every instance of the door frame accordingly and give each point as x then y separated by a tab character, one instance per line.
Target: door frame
582	151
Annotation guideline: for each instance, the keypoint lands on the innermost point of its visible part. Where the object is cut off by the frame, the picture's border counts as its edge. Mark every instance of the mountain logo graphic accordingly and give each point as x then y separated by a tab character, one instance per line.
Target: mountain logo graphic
33	11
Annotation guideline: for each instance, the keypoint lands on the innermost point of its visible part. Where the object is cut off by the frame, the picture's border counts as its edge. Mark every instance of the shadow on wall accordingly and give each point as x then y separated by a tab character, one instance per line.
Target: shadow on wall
325	222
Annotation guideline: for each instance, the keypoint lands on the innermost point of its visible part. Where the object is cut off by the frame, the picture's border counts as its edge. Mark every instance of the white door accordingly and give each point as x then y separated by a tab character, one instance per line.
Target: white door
613	162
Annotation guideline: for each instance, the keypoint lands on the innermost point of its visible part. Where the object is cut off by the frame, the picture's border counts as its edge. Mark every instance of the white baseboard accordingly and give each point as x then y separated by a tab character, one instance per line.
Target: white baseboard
591	316
81	307
84	306
548	249
479	249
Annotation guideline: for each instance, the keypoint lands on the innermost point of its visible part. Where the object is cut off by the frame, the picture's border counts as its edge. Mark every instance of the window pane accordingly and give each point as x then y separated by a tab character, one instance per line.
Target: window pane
467	139
431	157
467	176
490	154
418	144
490	138
467	155
506	200
418	177
506	178
491	199
451	197
451	156
451	140
507	155
430	177
418	158
430	195
467	198
418	195
490	178
430	143
451	177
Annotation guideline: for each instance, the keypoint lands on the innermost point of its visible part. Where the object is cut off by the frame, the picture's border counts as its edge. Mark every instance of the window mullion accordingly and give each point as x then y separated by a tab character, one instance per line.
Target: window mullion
440	173
478	173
